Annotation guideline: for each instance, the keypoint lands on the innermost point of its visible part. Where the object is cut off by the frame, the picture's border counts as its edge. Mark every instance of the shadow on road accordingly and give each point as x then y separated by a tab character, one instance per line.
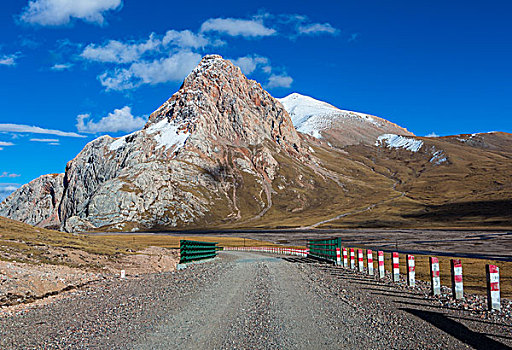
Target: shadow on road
457	330
301	260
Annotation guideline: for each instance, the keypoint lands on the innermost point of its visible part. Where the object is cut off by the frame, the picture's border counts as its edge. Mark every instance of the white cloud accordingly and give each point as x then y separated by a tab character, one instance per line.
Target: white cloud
8	60
117	52
61	66
248	64
317	28
3	143
279	81
59	12
118	80
187	39
432	134
20	128
119	120
45	140
173	68
237	27
9	175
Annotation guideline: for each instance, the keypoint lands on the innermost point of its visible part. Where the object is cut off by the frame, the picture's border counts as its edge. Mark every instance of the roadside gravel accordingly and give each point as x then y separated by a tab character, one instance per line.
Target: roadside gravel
248	300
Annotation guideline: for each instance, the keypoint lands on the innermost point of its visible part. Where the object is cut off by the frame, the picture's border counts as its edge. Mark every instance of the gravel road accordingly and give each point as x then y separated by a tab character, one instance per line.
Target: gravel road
249	301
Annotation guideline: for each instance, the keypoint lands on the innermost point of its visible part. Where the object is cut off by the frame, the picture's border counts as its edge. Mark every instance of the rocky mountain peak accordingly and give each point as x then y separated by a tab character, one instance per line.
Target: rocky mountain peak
218	104
212	144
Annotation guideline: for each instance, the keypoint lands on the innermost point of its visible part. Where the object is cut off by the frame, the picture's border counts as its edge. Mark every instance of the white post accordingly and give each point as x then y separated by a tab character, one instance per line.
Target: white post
352	259
493	287
457	286
396	267
360	260
338	257
411	271
123	274
380	258
435	280
345	258
369	261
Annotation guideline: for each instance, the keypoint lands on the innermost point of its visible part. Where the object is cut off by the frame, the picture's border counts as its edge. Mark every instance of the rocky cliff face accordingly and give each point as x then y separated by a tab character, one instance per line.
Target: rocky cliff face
191	157
36	203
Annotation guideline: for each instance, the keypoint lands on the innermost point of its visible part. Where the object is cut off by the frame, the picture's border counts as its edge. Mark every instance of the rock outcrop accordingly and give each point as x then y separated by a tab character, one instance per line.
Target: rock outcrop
36	203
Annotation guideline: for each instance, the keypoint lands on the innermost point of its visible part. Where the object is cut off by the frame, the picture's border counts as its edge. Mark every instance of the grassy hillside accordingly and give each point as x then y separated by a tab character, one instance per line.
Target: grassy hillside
471	189
366	186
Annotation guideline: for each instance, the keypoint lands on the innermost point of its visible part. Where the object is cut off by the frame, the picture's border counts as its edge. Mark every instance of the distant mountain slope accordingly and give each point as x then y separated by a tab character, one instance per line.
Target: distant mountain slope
338	127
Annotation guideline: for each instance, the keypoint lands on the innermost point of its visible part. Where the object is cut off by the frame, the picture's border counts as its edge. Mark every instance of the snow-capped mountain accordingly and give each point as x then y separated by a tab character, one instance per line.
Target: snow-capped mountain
339	127
223	153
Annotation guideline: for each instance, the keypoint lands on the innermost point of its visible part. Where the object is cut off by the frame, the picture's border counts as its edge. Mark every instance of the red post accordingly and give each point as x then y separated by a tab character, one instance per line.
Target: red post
396	267
380	258
435	280
369	261
493	287
457	286
352	259
411	271
360	260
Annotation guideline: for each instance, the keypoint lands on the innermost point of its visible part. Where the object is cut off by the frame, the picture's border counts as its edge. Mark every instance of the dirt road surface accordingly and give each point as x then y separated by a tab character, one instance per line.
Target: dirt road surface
249	301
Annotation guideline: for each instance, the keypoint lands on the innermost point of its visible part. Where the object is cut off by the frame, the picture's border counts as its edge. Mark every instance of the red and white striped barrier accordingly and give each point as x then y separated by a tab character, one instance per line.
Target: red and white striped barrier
360	261
272	250
345	258
395	264
352	259
369	261
338	256
435	280
457	286
411	271
380	259
493	287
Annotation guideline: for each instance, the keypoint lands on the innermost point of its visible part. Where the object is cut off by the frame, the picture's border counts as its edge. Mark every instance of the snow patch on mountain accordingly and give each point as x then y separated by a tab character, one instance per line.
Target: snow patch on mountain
168	134
438	157
398	141
310	116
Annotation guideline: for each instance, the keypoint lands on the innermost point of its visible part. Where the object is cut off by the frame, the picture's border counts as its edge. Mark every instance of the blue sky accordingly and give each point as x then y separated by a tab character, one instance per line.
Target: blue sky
72	70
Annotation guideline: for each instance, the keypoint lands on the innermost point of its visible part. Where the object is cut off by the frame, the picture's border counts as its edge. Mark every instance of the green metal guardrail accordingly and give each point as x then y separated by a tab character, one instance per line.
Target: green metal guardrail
194	250
324	249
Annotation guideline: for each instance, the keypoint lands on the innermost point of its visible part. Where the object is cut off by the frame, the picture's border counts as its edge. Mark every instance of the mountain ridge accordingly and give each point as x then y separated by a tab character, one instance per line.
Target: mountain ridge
223	153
